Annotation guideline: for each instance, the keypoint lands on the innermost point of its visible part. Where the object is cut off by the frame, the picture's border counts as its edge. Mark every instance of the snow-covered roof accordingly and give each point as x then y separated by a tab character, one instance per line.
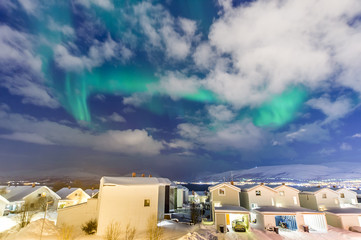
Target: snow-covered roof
283	185
257	186
2	199
65	192
18	193
341	211
91	192
230	208
317	190
345	189
135	181
201	193
214	187
273	209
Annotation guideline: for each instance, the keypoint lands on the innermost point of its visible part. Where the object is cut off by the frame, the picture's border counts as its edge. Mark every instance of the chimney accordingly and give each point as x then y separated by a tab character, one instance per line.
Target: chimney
192	192
261	184
143	175
150	175
33	185
232	183
283	183
134	174
69	187
334	186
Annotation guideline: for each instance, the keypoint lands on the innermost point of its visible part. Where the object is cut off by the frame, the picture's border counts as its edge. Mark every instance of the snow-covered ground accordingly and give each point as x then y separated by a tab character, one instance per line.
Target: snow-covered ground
178	231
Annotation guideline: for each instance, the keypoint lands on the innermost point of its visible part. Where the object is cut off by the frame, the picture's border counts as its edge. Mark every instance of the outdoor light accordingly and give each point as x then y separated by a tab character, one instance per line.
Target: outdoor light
43	194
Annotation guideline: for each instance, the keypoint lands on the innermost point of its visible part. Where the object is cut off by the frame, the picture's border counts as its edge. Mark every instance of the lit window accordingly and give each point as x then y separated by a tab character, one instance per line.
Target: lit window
282	193
342	195
258	193
146	202
295	200
254	205
324	195
222	191
217	204
336	201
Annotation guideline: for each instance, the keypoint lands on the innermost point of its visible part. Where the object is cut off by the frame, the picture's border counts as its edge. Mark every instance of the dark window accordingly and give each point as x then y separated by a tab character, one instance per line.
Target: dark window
32	205
342	195
258	193
324	195
39	194
146	202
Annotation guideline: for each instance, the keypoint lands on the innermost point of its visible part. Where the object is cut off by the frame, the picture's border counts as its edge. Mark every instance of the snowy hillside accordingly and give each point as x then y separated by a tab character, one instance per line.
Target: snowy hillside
301	172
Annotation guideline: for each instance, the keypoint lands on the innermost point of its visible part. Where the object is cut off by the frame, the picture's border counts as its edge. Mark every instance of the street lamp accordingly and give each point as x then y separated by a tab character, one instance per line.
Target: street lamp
43	195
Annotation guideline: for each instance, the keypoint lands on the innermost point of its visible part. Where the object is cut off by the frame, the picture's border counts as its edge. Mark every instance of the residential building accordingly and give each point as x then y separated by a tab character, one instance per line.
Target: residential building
198	197
344	217
71	196
292	219
258	196
3	203
91	192
347	198
226	209
319	199
33	197
131	200
286	196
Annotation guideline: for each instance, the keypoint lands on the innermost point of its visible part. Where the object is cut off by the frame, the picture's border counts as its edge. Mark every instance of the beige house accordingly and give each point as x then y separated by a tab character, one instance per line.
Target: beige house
347	198
71	196
34	197
131	200
226	209
289	219
257	196
344	217
3	203
319	199
287	196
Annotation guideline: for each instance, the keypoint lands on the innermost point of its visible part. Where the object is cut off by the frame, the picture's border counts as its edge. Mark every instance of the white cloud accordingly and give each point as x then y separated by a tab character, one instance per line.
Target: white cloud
312	133
221	113
178	143
30	6
136	99
114	117
327	151
333	110
27	137
262	48
345	147
177	85
29	129
106	4
357	135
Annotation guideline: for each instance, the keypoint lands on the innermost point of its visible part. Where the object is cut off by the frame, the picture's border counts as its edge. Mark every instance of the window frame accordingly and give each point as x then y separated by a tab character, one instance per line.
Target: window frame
146	202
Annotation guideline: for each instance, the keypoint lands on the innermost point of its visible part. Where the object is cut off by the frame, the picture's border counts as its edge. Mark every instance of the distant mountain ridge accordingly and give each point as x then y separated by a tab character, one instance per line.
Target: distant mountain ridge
297	172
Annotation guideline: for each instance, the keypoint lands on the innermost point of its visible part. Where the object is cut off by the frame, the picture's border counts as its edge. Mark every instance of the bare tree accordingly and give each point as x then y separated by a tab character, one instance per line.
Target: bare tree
113	231
154	232
66	232
24	216
129	232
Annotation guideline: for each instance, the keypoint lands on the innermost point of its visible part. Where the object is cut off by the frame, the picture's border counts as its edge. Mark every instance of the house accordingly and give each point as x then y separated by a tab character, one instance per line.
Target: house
71	196
91	192
198	197
34	197
287	196
292	219
347	198
319	199
226	209
344	217
131	200
257	196
3	203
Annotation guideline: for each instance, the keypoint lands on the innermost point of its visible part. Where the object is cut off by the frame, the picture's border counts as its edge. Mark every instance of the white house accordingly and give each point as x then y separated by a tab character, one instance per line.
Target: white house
292	219
131	200
225	200
91	192
71	196
3	203
33	196
198	197
287	196
347	198
344	217
319	199
257	196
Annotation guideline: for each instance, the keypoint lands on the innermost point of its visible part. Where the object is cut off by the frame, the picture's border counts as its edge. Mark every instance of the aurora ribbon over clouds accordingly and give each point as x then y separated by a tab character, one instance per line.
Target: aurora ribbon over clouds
190	77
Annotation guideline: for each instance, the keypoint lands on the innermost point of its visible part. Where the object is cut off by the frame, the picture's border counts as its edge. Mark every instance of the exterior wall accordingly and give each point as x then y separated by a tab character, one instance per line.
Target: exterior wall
78	196
333	220
179	197
348	221
308	201
244	200
259	218
125	204
220	219
79	214
161	202
264	200
231	196
350	198
332	200
33	199
287	200
2	207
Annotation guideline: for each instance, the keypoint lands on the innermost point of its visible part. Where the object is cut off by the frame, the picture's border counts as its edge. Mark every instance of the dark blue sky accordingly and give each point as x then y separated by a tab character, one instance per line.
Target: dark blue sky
178	88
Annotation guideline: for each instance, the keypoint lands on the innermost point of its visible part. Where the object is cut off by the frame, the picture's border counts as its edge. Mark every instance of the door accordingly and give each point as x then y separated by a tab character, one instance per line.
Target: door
316	222
287	222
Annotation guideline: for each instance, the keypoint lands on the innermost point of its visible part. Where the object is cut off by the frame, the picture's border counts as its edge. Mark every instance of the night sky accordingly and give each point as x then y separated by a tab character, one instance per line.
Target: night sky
178	88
